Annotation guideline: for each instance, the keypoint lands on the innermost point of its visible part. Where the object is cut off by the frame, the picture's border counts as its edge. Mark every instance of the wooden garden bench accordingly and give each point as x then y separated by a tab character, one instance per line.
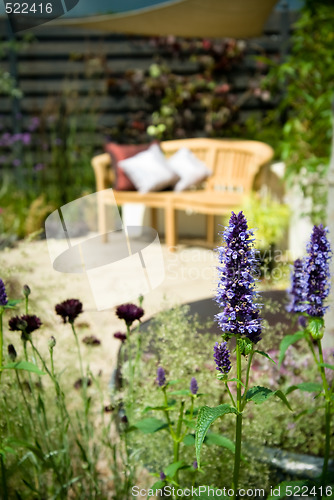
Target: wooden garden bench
234	164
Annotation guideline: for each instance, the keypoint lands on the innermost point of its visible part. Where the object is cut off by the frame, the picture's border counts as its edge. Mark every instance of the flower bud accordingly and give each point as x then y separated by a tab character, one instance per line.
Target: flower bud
11	352
26	291
52	342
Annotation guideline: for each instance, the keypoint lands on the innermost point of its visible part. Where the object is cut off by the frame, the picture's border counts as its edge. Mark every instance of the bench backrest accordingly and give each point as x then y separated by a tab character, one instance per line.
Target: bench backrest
234	163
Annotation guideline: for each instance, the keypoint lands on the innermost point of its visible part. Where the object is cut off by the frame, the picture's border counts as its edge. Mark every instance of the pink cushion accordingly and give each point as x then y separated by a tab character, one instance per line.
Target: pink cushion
120	152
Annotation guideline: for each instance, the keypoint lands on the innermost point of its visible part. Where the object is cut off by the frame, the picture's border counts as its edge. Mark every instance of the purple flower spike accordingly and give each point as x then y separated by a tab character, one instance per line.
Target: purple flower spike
296	291
222	357
317	275
235	292
3	295
162	476
129	312
193	386
161	377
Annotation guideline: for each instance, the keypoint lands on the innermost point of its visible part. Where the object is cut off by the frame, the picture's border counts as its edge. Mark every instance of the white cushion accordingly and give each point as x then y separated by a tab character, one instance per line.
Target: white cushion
149	170
189	168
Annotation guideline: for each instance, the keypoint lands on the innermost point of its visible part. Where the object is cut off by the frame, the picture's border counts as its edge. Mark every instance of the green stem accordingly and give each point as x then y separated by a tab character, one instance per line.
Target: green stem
79	354
230	394
26	304
166	412
238	431
177	439
3	475
1	342
327	415
250	357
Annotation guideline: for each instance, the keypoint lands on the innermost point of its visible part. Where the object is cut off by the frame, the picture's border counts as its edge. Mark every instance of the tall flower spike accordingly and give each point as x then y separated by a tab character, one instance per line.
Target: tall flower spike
222	357
317	275
235	291
296	292
161	377
3	295
193	386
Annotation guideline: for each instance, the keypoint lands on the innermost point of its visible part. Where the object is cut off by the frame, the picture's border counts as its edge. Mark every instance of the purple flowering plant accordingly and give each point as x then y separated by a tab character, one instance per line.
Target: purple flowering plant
177	421
310	287
241	325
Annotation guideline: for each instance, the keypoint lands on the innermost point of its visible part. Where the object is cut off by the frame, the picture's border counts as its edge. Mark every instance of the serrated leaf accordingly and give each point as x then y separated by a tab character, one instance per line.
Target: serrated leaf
281	488
260	394
224	442
286	342
266	355
23	365
206	417
189	440
150	425
172	469
305	387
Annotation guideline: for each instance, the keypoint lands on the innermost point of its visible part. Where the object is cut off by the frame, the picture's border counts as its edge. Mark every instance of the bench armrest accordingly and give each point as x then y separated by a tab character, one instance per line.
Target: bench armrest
104	175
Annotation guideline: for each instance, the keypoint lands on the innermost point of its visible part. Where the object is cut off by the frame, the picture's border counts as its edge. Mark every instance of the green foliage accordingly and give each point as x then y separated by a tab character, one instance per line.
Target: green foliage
306	82
269	217
206	417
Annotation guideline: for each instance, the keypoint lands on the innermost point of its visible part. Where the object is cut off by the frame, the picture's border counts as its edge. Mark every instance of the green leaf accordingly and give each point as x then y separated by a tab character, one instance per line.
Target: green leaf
235	380
158	485
181	392
286	489
305	387
157	408
260	394
262	353
206	417
327	365
172	469
316	328
189	440
12	303
286	342
173	382
224	442
208	492
150	425
23	365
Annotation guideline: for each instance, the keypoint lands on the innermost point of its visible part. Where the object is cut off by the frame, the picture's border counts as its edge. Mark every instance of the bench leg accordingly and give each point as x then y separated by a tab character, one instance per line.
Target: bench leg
170	227
154	218
210	229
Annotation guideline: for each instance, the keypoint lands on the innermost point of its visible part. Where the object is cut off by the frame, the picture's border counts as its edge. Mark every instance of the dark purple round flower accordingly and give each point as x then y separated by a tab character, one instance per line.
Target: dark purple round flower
195	464
26	324
129	312
316	272
3	295
235	292
193	386
91	340
69	310
222	357
161	377
120	336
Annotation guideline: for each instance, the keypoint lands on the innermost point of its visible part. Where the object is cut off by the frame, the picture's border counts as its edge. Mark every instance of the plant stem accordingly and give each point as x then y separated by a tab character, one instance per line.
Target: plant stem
177	439
230	394
1	342
166	412
238	431
250	357
327	415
